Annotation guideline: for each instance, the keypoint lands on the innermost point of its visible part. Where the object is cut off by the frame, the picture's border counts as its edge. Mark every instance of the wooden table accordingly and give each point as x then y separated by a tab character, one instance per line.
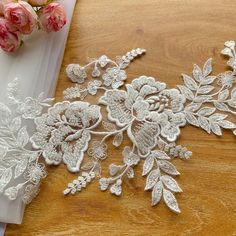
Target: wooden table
176	34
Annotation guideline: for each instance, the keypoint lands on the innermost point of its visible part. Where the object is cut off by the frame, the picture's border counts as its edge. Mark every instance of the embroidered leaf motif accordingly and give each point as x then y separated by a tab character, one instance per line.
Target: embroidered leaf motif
148	164
217	117
193	107
186	91
22	137
204	124
161	155
189	82
5	179
168	167
170	201
114	169
130	173
206	111
197	73
207	68
227	124
118	139
157	193
202	98
223	95
171	184
205	89
208	80
108	126
215	128
221	106
233	93
232	103
191	119
20	167
152	179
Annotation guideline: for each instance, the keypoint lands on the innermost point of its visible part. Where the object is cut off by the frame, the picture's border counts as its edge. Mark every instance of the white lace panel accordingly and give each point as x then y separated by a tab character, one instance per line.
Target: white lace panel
18	162
151	114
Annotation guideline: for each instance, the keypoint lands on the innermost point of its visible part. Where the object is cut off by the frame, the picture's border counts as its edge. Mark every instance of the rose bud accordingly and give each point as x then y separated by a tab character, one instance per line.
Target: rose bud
10	37
52	17
22	15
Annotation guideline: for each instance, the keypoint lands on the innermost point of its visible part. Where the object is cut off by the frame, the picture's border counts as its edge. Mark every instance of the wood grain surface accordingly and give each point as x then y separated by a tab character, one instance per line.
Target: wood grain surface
176	34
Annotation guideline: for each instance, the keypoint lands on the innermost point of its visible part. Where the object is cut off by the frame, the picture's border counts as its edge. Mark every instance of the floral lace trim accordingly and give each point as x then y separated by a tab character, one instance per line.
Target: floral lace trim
150	114
20	170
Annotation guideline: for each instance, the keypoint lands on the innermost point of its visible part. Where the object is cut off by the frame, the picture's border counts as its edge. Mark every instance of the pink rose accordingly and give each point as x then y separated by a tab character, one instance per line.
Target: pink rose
10	37
22	15
52	17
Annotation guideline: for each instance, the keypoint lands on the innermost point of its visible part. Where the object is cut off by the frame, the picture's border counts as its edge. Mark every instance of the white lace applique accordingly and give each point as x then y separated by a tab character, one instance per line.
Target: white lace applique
152	116
65	131
75	132
18	162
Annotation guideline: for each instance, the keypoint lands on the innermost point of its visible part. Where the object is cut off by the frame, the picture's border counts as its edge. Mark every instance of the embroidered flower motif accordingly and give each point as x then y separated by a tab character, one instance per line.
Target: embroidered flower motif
172	99
103	60
30	108
114	77
98	150
64	132
169	123
129	157
104	183
76	73
35	172
132	108
226	79
93	87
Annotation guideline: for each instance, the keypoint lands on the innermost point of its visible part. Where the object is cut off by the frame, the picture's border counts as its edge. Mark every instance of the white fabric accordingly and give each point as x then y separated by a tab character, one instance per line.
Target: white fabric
2	229
36	64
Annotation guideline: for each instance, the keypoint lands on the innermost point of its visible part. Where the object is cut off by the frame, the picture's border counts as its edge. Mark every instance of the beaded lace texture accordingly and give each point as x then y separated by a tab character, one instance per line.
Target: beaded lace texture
75	132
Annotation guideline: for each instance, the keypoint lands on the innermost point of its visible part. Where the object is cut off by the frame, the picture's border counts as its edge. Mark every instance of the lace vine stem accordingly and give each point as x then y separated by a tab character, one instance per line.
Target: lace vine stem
156	161
96	62
109	133
196	93
125	169
216	93
133	148
94	167
90	63
102	88
22	184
